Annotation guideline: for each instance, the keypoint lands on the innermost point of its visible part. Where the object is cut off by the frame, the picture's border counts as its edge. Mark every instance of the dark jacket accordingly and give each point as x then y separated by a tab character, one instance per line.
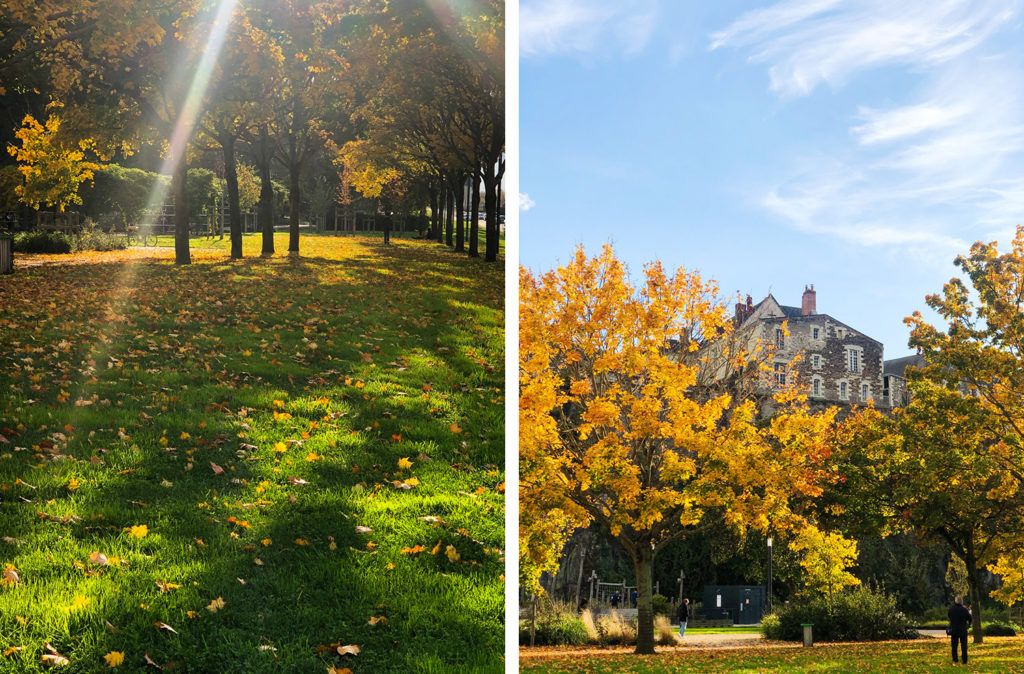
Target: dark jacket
959	619
683	613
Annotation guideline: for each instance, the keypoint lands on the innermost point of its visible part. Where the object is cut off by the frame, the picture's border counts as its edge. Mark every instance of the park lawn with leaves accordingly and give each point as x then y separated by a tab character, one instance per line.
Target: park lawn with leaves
997	654
219	242
263	465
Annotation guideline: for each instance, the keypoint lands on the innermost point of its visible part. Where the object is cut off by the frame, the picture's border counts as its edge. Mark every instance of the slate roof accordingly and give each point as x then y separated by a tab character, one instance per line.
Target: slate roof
898	366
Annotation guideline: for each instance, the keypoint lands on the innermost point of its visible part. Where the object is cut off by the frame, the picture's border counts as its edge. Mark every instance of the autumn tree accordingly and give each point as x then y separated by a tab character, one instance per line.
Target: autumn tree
638	413
53	171
927	470
982	345
825	558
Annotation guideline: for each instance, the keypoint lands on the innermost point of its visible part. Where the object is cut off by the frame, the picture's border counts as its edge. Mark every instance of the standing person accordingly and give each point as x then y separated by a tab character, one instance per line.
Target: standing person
959	619
632	597
387	229
616	598
683	613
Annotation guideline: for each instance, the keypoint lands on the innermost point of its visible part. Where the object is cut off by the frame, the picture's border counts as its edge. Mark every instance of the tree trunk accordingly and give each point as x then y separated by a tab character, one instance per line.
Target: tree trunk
442	203
178	179
234	209
435	214
266	205
460	221
293	199
449	220
974	590
643	560
491	208
474	228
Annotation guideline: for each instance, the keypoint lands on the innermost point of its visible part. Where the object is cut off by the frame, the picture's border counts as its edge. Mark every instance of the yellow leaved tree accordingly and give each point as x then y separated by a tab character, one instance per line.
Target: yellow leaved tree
825	558
640	412
53	167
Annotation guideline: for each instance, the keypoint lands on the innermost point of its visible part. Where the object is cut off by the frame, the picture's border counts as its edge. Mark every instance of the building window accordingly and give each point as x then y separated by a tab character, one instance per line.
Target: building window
853	358
843	391
816	386
780	374
816	361
865	393
780	338
839	332
816	332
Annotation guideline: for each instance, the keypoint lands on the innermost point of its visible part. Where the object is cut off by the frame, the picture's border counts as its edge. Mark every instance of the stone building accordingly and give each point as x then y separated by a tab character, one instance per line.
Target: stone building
894	379
832	363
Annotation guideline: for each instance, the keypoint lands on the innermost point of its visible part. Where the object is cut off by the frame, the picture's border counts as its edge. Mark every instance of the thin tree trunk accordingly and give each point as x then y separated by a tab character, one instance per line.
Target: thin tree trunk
491	207
643	560
474	227
234	209
435	214
178	180
974	590
266	205
449	221
460	208
293	199
442	203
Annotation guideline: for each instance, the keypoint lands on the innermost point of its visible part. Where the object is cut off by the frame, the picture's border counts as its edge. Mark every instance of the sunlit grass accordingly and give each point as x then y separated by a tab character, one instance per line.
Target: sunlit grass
997	654
306	381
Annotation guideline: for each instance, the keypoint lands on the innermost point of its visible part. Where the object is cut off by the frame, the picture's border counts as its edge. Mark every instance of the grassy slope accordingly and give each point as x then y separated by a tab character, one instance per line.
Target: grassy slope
1000	655
225	360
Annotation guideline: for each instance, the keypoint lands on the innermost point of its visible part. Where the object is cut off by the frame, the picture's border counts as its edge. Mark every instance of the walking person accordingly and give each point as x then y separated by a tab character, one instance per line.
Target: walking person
683	613
959	619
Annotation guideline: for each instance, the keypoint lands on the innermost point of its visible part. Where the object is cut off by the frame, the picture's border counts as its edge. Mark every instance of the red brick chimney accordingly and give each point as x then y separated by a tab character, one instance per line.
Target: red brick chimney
809	304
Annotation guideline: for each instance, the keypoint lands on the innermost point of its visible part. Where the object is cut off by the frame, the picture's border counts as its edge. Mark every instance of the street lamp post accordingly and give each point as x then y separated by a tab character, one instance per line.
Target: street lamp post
682	576
770	541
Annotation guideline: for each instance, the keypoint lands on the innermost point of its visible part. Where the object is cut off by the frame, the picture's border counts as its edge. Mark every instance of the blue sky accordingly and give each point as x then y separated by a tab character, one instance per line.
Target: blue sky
858	146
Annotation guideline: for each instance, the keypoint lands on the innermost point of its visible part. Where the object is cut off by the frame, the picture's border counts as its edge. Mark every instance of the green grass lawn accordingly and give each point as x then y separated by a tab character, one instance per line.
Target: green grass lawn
997	654
315	442
745	629
281	240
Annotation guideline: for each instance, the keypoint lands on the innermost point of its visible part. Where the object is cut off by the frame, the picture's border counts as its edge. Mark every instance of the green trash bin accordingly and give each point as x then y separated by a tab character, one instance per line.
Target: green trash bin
6	253
808	633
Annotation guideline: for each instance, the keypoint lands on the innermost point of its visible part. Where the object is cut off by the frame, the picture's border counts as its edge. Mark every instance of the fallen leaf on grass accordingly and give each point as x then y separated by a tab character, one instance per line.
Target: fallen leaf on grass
12	649
53	658
149	661
217	470
374	620
9	578
98	558
164	626
110	627
301	541
331	669
363	530
453	555
215	605
296	480
414	550
404	463
114	658
139	531
166	587
351	649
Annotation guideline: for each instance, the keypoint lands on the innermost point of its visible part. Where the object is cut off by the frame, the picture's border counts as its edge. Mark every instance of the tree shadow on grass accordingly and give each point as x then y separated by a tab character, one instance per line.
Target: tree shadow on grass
439	613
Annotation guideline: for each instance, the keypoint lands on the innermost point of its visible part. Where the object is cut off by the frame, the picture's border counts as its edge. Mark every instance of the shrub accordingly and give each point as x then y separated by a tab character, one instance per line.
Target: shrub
92	238
998	628
661	605
613	628
557	625
42	242
861	614
664	635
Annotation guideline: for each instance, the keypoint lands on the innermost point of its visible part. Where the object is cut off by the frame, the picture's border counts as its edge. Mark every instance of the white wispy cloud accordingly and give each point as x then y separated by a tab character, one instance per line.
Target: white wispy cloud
924	173
549	27
811	42
525	202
